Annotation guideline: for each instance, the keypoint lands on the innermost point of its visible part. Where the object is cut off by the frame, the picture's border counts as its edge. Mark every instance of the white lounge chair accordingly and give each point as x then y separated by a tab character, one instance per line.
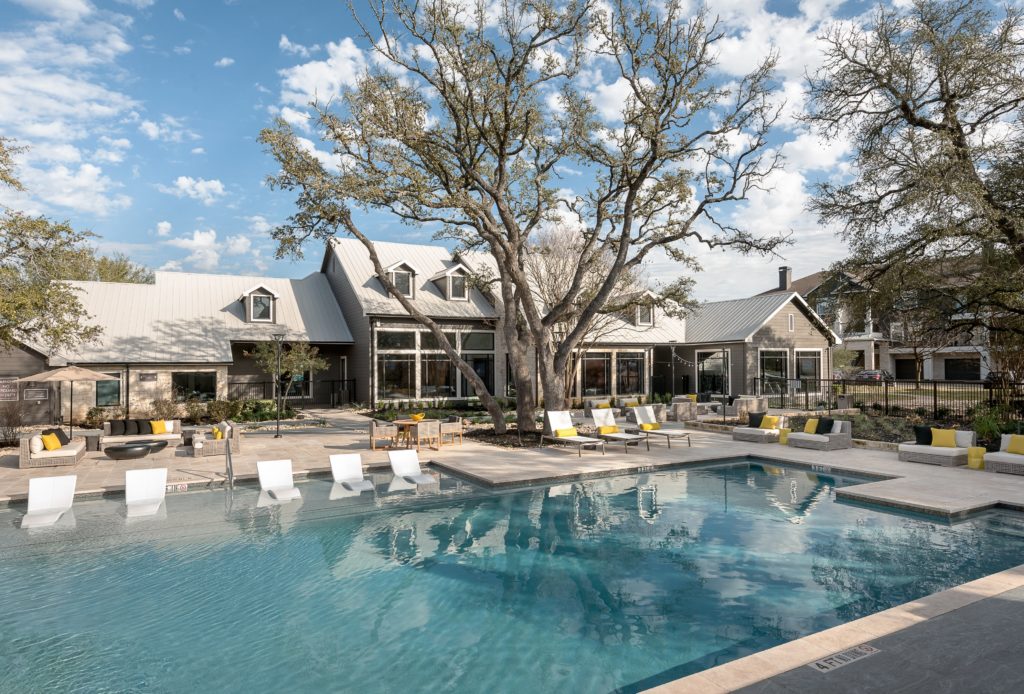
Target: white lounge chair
347	469
644	415
49	498
144	491
276	479
406	466
606	418
560	420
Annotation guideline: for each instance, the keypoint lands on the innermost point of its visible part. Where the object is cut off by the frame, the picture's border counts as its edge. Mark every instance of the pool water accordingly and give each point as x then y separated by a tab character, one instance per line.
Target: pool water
617	583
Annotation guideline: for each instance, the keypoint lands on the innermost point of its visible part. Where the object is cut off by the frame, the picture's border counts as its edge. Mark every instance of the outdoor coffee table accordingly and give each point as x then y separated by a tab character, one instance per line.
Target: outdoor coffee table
155	446
128	451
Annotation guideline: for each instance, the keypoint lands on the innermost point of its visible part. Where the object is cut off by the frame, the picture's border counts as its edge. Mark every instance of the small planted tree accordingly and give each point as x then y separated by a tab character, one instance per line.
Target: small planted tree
297	359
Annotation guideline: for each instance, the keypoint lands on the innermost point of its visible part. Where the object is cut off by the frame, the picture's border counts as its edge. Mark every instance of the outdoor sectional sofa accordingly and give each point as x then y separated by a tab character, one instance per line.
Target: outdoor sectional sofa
840	437
912	452
1001	461
172	437
755	434
68	454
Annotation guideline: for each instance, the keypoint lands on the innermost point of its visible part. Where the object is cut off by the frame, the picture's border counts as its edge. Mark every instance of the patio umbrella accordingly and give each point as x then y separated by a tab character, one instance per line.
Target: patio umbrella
71	374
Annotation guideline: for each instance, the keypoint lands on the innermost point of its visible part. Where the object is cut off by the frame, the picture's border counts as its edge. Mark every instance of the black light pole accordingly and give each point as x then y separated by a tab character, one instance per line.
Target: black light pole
278	339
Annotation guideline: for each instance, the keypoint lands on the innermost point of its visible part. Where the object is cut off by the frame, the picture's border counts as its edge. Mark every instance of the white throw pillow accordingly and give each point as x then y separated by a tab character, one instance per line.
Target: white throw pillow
837	427
169	426
225	429
964	439
35	444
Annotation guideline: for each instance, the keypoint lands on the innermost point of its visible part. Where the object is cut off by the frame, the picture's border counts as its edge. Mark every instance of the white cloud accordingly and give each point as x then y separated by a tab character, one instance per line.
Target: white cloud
168	129
182	50
206	191
138	4
198	150
224	62
323	79
171	266
294	118
259	224
83	189
179	15
61	9
163	228
205	250
287	46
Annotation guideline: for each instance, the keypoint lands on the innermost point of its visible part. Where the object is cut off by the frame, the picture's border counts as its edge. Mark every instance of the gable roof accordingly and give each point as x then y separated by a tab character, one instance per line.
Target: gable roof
737	320
194	318
429	260
802	285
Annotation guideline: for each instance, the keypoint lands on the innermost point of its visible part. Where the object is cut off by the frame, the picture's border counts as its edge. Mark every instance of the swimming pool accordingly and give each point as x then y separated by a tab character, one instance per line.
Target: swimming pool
612	583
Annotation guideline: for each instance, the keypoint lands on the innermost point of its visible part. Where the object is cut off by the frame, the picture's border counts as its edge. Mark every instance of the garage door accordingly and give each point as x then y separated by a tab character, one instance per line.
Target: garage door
963	369
906	369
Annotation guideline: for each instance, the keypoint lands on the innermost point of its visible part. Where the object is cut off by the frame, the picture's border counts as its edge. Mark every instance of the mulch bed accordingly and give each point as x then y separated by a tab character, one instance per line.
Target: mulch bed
511	439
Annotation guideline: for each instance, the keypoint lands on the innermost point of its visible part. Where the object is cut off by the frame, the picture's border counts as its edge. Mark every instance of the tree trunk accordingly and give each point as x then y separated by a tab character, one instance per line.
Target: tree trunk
552	379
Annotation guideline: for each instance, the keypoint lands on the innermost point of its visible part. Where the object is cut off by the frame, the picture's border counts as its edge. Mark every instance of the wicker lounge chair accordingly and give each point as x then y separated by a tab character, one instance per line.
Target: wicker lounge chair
204	444
65	455
561	420
759	435
1002	461
605	418
911	452
841	438
645	415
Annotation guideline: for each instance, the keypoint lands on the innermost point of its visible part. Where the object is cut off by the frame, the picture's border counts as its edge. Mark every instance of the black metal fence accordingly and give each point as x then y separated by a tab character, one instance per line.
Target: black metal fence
937	399
326	393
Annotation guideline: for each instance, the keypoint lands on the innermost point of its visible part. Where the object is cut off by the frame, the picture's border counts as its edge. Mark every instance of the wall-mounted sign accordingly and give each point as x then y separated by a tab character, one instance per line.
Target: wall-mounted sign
35	394
8	389
147	377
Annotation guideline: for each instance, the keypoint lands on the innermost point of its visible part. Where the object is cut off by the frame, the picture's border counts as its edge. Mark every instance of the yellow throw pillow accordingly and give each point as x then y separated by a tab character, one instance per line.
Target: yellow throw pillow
612	429
603	406
632	403
944	438
692	397
650	427
811	427
1016	444
159	426
769	422
51	442
217	434
565	433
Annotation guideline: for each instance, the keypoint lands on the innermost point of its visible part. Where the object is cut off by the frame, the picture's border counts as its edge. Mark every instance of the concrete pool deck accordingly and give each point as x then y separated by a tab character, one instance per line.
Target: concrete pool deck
944	492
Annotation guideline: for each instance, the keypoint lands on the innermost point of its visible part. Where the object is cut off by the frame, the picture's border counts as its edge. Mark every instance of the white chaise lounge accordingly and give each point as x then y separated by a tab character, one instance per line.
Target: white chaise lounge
608	429
1003	461
276	479
556	421
647	424
911	452
144	491
49	498
406	465
347	469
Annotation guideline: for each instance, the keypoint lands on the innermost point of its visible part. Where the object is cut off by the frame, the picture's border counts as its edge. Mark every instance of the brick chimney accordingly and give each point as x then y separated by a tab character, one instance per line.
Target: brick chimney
785	278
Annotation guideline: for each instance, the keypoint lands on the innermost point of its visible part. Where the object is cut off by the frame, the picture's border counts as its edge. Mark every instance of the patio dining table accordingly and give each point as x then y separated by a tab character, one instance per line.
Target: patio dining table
406	428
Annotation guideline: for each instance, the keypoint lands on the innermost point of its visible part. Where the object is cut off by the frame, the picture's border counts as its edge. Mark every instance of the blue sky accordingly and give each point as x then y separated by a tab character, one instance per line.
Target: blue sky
141	117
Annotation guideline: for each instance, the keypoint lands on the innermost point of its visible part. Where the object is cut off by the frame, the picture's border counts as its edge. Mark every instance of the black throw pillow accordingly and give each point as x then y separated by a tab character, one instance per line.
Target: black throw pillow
117	427
131	427
922	435
61	436
755	418
145	427
824	425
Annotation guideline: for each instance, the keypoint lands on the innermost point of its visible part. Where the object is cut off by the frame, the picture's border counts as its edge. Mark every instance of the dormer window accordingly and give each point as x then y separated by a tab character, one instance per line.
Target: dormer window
402	279
457	290
645	315
262	309
260	305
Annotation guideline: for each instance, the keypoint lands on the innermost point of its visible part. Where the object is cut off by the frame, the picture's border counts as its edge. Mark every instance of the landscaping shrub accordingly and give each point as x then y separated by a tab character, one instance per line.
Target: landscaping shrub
262	411
95	417
195	410
12	419
220	410
165	409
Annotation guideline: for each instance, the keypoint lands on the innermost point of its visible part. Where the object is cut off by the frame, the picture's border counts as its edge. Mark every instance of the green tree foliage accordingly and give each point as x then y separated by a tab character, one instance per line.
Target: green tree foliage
930	98
296	359
453	127
34	252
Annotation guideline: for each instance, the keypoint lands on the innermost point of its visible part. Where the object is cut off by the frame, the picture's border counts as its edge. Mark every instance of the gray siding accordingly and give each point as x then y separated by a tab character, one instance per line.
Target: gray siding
358	323
776	335
18	362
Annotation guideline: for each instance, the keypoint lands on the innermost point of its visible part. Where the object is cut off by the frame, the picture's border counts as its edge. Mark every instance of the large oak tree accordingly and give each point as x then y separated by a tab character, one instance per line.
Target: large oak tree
468	115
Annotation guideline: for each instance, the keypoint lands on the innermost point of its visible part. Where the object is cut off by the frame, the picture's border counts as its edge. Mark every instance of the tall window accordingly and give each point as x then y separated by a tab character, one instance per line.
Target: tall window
597	373
792	322
458	285
194	385
478	351
645	315
396	376
402	279
808	365
262	308
108	393
629	367
437	376
713	371
775	365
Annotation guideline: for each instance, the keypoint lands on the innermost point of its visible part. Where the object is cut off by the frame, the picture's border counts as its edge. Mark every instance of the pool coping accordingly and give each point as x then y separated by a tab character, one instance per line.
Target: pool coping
763	665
